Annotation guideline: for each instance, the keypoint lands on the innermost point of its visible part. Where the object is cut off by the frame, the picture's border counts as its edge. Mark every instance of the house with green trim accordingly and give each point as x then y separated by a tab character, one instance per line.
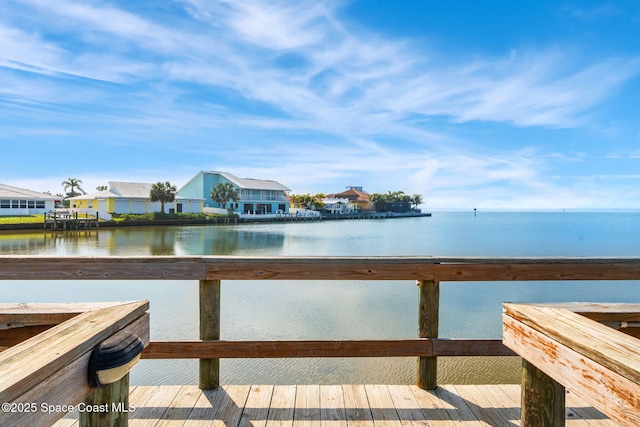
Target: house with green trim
257	196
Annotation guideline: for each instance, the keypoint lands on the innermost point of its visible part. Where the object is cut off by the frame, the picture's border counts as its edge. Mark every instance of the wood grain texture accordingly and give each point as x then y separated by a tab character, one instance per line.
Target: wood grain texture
450	406
209	377
543	402
604	345
605	389
428	316
19	267
67	386
283	349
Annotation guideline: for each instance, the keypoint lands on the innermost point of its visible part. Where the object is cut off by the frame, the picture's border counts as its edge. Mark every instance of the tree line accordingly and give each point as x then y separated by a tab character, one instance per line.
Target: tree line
379	200
225	192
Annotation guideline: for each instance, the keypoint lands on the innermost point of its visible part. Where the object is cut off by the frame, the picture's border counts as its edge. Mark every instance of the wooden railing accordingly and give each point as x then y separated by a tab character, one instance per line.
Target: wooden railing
427	271
564	347
42	377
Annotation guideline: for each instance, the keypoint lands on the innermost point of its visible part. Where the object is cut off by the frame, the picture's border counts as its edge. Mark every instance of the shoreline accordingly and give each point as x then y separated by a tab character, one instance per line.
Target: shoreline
177	222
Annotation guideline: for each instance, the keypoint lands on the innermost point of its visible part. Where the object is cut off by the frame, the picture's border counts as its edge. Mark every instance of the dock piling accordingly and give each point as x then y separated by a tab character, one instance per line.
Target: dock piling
209	330
428	311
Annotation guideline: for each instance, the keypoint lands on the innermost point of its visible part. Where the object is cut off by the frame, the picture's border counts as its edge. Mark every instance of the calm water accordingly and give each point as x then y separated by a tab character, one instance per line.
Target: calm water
335	310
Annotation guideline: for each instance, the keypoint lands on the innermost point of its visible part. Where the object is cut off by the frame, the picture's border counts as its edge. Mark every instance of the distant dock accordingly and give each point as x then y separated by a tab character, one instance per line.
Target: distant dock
68	220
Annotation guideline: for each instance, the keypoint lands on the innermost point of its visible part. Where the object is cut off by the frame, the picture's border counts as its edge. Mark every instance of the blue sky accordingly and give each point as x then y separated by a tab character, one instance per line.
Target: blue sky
473	104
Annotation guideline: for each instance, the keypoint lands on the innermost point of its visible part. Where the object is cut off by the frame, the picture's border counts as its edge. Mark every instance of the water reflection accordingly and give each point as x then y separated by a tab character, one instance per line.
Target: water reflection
338	310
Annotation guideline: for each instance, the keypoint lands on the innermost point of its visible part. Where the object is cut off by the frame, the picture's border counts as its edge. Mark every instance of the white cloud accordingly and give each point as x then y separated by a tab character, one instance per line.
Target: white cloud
295	68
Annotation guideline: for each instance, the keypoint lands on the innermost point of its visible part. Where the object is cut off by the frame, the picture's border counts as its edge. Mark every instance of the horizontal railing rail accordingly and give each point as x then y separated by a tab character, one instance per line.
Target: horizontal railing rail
209	271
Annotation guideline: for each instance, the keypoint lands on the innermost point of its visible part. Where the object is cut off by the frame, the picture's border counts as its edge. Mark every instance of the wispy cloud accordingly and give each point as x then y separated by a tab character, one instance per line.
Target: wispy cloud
294	71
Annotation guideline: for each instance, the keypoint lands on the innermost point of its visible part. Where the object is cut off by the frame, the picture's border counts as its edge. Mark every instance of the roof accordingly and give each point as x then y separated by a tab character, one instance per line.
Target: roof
353	195
132	190
252	183
9	192
129	190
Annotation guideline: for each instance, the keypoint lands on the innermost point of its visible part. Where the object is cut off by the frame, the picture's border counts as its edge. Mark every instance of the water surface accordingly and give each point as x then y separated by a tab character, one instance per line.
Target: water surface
337	310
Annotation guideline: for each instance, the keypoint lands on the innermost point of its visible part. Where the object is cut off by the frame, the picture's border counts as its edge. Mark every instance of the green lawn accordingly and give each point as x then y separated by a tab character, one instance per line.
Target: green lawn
22	219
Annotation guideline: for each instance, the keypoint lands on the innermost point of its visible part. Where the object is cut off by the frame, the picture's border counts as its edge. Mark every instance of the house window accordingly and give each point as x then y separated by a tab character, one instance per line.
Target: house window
23	204
5	204
282	207
15	204
39	204
31	204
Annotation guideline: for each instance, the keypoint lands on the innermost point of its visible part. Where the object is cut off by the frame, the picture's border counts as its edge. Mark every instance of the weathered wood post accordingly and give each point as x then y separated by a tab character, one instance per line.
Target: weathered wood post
209	330
107	406
428	308
543	399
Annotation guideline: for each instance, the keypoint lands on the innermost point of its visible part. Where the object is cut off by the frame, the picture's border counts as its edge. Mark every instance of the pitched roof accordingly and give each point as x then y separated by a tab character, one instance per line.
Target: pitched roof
252	183
9	192
139	190
353	195
131	190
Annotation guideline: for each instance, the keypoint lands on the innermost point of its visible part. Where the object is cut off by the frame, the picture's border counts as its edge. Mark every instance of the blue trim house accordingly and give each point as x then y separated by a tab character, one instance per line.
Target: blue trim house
257	196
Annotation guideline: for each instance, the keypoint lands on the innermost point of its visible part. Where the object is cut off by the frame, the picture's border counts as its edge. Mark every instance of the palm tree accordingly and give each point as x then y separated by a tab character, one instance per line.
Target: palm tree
378	200
223	192
102	188
416	200
163	193
74	184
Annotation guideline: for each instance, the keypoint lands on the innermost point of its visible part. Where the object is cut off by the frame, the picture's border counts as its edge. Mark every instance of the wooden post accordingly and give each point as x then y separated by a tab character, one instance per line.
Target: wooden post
543	399
429	301
209	330
107	406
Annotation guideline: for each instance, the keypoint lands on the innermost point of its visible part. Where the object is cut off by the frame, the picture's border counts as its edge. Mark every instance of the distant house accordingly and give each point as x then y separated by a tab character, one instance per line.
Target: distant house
333	205
257	196
133	198
355	195
19	201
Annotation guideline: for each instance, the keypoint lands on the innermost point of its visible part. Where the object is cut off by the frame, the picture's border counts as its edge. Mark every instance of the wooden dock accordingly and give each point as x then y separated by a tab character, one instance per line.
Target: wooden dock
336	406
68	220
568	350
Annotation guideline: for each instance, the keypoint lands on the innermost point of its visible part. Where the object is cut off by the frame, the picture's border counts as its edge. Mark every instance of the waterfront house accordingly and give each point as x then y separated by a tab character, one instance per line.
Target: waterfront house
132	198
20	201
355	195
338	206
257	196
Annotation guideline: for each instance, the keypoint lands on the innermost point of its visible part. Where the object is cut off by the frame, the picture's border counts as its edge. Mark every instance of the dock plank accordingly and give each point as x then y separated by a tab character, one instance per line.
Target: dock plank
357	408
307	407
204	411
257	407
406	406
155	407
282	406
338	406
179	409
382	407
332	412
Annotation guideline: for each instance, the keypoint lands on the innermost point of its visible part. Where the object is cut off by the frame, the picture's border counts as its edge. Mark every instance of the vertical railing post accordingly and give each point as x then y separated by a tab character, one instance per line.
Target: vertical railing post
107	406
428	308
209	330
543	399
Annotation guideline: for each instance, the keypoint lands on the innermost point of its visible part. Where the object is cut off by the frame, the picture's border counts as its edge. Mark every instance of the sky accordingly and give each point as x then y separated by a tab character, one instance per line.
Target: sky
489	104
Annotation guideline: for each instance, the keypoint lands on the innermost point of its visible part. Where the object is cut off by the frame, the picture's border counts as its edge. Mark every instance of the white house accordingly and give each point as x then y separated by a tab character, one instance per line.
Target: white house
338	206
19	201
